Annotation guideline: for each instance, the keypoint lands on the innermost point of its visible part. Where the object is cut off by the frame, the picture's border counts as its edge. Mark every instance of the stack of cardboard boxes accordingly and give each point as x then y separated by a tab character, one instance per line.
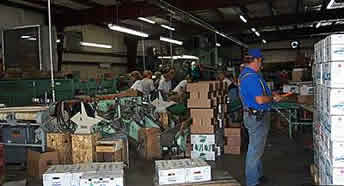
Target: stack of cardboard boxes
328	126
181	171
208	112
106	174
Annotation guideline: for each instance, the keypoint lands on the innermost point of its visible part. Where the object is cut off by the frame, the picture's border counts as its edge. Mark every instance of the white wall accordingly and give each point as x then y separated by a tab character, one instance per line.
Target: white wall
279	52
88	64
10	17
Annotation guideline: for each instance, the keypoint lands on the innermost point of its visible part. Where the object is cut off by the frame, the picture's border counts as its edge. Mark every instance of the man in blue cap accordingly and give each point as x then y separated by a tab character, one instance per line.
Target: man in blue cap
256	98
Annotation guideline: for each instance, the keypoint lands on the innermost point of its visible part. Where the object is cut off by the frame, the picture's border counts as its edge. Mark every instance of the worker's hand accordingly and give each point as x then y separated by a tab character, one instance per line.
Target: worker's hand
277	98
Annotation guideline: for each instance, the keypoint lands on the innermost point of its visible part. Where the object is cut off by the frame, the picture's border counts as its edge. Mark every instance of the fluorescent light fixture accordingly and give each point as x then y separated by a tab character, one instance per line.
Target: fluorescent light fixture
243	19
253	30
58	41
179	57
171	40
264	41
146	20
87	44
318	25
218	44
32	39
127	30
25	37
168	27
330	4
257	34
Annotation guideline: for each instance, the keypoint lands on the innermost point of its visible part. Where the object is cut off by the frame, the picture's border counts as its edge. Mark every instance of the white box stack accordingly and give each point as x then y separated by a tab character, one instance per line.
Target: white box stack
70	175
182	171
328	119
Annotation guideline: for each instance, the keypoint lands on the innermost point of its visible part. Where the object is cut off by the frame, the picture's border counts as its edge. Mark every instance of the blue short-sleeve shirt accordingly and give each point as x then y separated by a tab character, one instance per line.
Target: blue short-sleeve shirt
251	85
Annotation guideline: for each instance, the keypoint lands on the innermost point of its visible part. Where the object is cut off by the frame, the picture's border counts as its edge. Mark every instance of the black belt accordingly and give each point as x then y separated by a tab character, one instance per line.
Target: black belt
254	111
259	114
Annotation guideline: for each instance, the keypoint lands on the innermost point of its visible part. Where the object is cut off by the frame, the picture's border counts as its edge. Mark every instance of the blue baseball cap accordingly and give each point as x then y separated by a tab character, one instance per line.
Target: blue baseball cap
255	53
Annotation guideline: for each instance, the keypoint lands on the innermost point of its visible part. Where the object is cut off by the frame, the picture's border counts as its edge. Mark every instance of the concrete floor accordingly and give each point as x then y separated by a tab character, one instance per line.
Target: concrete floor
286	163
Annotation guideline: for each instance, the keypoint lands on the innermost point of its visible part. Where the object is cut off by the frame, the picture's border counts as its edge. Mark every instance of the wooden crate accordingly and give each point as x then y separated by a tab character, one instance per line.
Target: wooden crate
116	151
84	148
62	144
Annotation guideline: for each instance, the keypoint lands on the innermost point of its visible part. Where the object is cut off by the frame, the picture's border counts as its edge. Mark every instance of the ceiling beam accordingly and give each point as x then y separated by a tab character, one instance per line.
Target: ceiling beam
299	33
282	20
132	10
56	7
104	15
219	14
22	6
87	3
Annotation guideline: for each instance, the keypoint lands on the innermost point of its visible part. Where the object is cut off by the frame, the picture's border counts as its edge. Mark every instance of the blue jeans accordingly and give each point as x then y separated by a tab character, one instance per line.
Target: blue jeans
258	132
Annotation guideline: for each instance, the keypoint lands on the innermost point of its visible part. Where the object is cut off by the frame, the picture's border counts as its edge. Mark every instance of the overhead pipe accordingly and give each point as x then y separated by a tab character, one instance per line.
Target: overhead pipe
174	10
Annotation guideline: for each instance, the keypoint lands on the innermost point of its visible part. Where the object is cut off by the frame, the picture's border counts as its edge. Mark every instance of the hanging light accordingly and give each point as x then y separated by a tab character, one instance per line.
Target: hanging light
243	19
95	45
318	25
264	41
168	27
127	30
218	44
169	40
257	34
253	30
146	20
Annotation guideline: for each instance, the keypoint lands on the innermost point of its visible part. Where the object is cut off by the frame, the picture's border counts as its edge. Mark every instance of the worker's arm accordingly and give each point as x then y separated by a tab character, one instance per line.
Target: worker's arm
268	99
264	99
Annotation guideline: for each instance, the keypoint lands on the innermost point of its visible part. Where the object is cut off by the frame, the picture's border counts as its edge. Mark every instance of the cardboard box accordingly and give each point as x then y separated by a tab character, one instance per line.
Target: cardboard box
335	39
209	156
201	103
203	121
150	138
38	163
203	139
335	102
334	53
233	131
199	171
235	150
114	178
171	171
337	127
335	75
291	88
336	153
297	74
305	100
338	176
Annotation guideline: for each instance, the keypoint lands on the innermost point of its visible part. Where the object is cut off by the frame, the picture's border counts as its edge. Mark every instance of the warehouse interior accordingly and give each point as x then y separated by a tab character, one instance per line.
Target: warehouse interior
149	92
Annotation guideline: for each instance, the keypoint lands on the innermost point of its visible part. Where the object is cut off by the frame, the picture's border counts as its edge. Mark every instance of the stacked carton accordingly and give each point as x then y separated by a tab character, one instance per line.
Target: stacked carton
328	127
207	108
182	171
106	174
